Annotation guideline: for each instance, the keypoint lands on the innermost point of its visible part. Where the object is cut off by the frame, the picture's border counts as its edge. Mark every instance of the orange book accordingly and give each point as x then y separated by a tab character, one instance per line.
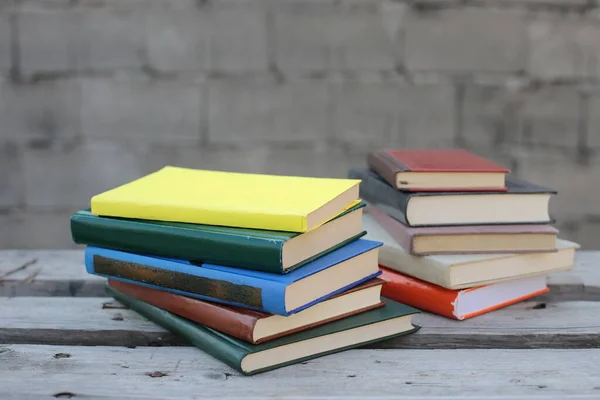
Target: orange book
459	304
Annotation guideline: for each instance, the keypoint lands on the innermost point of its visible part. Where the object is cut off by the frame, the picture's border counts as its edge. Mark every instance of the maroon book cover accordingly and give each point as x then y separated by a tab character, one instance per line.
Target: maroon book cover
389	162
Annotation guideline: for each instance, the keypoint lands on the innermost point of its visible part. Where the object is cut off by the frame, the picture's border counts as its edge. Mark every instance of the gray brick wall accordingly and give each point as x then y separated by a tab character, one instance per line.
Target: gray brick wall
94	93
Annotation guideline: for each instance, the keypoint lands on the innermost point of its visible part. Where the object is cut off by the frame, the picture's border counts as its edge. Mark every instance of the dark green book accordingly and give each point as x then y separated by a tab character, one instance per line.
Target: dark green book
394	319
260	250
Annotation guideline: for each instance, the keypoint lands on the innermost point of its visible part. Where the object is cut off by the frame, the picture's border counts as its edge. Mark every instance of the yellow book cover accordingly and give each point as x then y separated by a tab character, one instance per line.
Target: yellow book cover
270	202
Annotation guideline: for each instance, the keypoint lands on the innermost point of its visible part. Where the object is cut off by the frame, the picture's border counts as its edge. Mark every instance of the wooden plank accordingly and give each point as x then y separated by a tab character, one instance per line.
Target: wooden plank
581	283
62	273
95	321
120	372
46	273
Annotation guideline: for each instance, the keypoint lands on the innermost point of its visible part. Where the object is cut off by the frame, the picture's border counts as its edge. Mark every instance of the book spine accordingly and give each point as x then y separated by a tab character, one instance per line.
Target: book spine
419	294
206	339
378	192
215	316
386	167
259	254
188	280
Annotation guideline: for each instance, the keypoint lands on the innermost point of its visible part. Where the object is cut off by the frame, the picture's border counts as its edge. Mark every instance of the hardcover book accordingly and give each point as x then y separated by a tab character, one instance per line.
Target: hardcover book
253	326
437	170
459	304
270	202
522	203
394	319
460	271
474	239
269	251
278	294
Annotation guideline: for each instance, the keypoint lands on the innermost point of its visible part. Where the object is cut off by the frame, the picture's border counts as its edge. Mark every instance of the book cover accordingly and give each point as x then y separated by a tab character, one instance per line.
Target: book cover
242	323
459	304
245	288
408	237
388	163
386	322
395	203
460	271
270	202
259	250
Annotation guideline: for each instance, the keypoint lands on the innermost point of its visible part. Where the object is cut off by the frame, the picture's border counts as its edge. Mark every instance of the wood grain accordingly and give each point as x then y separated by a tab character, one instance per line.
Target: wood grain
95	322
115	372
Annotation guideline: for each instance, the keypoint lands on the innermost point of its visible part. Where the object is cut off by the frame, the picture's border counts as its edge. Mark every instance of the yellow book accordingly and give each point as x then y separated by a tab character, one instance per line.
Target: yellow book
271	202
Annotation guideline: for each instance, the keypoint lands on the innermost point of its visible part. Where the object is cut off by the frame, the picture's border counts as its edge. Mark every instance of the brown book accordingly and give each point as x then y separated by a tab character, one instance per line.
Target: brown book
253	326
437	170
470	239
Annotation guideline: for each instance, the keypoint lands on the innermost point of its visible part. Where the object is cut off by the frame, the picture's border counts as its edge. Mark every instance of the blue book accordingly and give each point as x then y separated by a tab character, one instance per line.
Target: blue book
279	294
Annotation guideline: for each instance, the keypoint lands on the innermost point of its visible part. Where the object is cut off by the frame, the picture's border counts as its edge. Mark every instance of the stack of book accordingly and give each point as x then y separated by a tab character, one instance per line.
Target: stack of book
259	271
461	235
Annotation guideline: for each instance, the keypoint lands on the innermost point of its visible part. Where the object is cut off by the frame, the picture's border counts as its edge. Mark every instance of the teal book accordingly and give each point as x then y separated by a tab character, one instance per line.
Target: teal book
260	250
394	319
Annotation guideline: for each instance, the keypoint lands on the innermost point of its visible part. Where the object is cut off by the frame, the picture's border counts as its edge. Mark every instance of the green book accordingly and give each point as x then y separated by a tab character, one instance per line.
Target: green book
260	250
394	319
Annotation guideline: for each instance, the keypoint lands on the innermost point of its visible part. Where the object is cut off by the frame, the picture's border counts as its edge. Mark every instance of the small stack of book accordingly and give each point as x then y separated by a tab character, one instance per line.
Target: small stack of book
259	271
461	235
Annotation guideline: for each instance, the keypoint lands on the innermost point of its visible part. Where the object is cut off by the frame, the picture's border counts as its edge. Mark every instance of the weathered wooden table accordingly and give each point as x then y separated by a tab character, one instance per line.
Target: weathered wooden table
60	337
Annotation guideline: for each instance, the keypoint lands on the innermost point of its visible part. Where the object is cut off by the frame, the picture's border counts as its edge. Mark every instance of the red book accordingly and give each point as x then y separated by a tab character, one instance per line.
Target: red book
463	303
437	170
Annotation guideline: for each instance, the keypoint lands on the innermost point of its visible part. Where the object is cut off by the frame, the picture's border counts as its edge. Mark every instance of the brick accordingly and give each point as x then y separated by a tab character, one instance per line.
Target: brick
550	117
488	116
325	162
564	48
465	40
495	116
43	114
367	114
314	36
242	111
576	4
5	39
156	110
588	38
554	52
10	175
178	40
428	115
68	179
46	40
593	121
28	230
384	114
108	39
238	39
302	160
577	185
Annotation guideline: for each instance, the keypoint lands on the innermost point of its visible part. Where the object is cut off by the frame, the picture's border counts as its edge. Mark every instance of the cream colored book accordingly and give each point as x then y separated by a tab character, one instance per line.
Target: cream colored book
461	271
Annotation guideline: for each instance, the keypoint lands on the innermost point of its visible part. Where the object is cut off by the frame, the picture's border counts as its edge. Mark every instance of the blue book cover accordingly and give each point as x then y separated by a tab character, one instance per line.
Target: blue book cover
279	294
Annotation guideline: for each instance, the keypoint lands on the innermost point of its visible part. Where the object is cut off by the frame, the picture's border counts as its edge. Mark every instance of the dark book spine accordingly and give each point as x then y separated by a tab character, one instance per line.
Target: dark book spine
204	338
385	166
185	244
376	191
